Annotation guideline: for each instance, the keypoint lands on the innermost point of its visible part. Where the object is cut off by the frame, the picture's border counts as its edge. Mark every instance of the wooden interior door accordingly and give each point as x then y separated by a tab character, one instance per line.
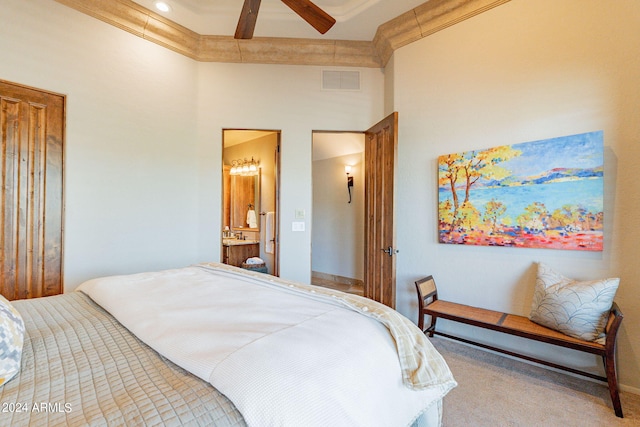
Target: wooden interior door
381	143
31	202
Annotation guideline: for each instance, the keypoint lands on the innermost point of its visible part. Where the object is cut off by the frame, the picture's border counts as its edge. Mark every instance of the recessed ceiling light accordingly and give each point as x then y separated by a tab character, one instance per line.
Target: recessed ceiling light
162	6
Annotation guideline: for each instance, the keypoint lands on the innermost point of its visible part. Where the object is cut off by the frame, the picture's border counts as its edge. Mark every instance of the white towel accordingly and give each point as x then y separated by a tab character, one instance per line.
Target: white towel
254	260
251	219
269	233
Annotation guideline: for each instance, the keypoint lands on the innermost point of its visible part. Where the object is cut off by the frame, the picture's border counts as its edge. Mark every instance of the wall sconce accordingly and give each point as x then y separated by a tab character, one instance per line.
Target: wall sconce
244	167
347	170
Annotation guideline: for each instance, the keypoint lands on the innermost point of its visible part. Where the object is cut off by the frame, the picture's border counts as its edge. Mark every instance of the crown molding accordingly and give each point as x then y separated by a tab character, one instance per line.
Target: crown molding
413	25
424	20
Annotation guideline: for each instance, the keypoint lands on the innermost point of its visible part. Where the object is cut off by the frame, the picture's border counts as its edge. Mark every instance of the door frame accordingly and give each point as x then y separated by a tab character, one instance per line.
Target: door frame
384	287
277	183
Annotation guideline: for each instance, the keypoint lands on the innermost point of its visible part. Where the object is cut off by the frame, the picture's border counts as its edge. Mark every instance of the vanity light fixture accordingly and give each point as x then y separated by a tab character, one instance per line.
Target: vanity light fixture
347	170
162	6
244	167
234	168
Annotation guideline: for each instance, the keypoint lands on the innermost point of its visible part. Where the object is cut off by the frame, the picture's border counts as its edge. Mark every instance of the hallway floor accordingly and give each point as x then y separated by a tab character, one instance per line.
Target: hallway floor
349	288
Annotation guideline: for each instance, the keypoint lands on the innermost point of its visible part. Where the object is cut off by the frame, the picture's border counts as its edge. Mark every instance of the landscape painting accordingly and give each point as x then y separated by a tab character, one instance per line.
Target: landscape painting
542	194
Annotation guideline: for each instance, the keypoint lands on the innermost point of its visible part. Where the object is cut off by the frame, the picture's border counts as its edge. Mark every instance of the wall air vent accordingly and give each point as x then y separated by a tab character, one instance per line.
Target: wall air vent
340	80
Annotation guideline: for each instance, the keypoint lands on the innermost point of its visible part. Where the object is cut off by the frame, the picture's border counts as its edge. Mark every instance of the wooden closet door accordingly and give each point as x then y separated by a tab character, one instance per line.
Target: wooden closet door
31	202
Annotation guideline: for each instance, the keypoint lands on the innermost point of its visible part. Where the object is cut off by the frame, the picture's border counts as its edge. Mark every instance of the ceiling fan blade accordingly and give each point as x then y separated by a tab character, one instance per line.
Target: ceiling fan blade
316	17
247	21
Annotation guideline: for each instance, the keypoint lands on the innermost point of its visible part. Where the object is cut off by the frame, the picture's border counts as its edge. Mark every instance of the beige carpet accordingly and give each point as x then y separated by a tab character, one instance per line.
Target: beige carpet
498	391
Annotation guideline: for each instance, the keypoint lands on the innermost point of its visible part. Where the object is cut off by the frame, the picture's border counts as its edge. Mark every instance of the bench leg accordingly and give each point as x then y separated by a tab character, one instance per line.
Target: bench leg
431	329
612	380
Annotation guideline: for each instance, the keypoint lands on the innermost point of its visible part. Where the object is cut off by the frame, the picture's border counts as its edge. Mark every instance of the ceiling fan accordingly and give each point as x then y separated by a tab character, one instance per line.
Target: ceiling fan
316	17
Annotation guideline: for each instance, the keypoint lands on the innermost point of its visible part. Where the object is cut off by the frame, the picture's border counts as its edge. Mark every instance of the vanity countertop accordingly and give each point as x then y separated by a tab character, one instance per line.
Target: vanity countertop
236	242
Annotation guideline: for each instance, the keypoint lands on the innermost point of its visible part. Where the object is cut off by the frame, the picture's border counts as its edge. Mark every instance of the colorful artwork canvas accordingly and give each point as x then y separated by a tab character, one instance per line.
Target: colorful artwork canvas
542	194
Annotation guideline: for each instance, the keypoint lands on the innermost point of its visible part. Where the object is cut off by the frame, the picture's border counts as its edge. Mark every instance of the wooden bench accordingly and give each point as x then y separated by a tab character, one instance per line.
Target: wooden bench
429	304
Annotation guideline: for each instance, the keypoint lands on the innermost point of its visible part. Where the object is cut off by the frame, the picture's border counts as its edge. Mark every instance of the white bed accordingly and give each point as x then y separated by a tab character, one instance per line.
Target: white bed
282	353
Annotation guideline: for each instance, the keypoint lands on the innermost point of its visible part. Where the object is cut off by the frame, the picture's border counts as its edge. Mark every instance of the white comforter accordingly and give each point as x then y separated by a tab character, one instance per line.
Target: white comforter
284	354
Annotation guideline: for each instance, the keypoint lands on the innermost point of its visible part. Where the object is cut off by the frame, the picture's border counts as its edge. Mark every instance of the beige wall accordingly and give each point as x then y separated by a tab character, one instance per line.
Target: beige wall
525	71
130	151
285	98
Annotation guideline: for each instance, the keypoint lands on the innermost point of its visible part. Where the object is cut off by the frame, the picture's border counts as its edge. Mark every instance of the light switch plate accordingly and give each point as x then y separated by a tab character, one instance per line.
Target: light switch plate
297	226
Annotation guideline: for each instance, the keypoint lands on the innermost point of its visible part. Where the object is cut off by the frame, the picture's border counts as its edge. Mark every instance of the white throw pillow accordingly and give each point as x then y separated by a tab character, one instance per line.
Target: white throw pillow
577	309
11	340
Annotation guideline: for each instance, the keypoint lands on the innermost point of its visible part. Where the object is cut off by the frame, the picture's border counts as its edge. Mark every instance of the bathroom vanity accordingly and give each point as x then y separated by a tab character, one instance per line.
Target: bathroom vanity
235	252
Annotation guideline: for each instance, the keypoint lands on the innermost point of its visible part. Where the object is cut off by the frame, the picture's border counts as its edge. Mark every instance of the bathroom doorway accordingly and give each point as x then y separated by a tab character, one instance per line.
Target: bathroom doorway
337	240
250	199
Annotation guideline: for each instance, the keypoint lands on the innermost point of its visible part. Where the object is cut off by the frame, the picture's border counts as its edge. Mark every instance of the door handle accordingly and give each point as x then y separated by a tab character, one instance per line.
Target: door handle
390	251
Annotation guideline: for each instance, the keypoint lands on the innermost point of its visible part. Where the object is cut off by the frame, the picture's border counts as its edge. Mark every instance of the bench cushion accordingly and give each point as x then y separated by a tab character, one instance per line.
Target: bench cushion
577	309
509	324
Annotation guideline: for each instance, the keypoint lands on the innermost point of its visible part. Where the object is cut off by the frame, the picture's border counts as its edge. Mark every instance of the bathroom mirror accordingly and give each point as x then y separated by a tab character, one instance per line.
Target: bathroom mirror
244	196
